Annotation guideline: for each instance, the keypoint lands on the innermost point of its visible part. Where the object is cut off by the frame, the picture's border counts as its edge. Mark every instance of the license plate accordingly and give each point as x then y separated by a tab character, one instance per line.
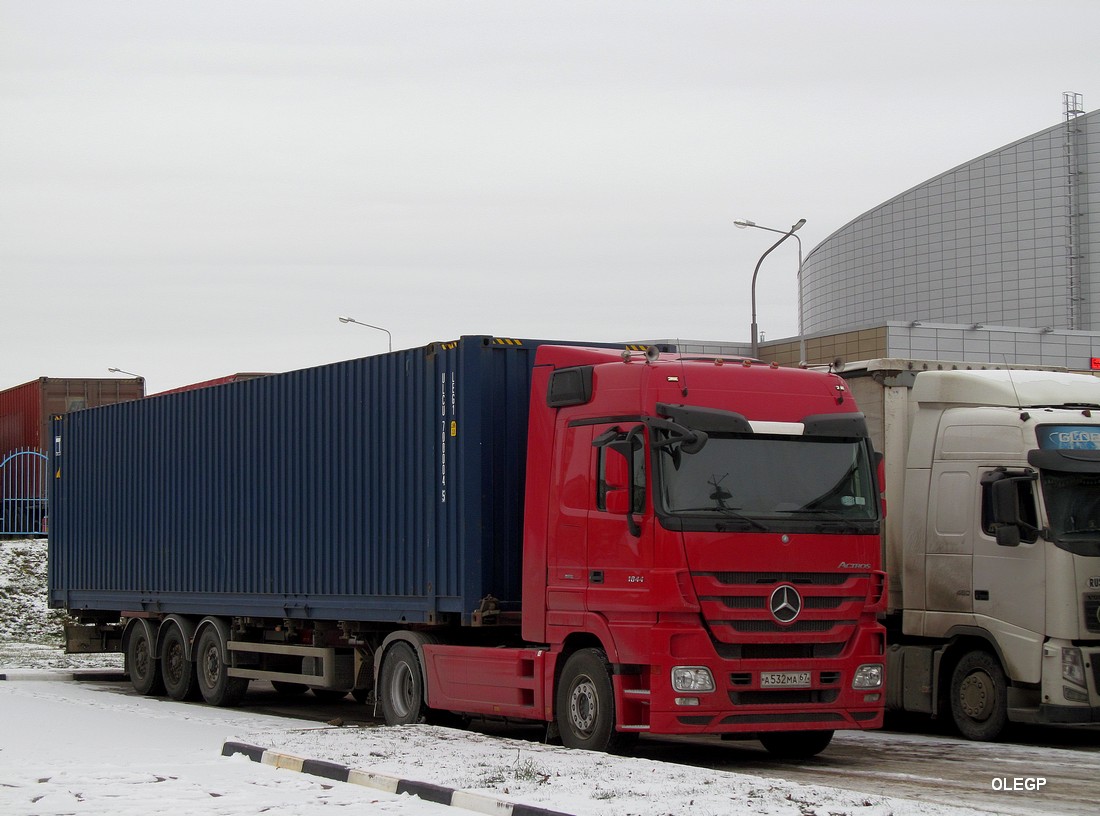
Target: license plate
784	679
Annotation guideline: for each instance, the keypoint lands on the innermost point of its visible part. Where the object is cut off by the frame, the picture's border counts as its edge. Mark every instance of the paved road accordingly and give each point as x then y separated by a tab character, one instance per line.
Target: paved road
925	767
903	762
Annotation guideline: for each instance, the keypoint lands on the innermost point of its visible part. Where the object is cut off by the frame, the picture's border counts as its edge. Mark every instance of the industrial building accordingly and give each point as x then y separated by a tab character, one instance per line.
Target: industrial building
992	261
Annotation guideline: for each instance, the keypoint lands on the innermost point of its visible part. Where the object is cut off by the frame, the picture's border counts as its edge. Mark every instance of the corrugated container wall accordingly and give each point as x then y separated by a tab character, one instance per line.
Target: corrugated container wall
387	488
25	410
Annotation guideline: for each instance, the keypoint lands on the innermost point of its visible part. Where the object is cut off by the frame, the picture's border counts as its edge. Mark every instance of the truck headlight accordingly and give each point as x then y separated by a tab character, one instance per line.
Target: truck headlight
1073	668
868	676
692	678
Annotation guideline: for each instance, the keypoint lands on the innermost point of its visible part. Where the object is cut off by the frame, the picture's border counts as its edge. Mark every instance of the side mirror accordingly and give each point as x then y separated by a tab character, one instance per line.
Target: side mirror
1005	506
1005	502
616	470
1008	535
619	480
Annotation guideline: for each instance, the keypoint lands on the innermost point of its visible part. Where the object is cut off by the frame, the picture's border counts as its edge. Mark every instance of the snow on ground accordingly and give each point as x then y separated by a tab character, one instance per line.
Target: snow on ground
32	634
68	747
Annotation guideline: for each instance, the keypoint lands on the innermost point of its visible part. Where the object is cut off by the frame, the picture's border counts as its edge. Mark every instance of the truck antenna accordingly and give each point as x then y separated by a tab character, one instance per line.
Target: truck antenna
1011	381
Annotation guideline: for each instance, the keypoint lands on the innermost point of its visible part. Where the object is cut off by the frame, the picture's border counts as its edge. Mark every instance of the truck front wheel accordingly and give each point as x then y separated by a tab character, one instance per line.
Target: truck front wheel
402	686
212	672
585	704
979	696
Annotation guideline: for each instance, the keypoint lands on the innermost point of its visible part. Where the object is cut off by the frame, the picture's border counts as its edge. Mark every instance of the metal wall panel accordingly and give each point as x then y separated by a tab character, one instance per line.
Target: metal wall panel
385	488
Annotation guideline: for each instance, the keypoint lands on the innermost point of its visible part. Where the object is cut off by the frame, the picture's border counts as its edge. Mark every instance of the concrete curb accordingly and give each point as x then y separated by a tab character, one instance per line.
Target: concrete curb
389	784
89	675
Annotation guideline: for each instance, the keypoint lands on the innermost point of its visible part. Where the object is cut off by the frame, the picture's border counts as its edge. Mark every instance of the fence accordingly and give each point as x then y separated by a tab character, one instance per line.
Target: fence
23	505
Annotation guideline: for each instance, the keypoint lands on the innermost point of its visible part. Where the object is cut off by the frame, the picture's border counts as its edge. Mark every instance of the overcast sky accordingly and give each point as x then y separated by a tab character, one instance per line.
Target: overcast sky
189	190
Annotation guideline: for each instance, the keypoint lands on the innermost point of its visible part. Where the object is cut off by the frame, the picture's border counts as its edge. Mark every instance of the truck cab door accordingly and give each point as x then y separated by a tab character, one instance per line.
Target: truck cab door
620	547
567	540
1010	580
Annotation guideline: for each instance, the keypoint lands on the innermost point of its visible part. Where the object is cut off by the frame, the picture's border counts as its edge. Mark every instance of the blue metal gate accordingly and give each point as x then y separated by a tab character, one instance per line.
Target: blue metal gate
23	492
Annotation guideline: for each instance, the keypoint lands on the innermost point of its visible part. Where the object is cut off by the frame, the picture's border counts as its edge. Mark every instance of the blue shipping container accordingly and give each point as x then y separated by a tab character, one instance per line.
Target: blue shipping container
387	488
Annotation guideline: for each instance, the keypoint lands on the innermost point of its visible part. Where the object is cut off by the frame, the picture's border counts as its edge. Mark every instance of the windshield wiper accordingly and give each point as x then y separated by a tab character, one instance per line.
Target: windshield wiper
729	512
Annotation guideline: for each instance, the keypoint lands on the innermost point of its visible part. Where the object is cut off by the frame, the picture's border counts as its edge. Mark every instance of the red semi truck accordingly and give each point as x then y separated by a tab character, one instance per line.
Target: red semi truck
696	545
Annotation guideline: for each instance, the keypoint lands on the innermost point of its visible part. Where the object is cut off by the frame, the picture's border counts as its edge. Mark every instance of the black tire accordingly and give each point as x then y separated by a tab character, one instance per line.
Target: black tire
177	671
285	689
401	686
585	704
979	696
141	662
796	744
212	672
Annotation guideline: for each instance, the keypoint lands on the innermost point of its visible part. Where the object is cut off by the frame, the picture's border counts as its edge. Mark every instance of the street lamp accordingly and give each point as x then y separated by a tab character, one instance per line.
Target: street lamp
744	224
120	371
369	326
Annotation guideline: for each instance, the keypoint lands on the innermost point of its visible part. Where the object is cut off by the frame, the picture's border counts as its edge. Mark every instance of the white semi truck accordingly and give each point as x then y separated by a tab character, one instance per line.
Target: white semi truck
992	539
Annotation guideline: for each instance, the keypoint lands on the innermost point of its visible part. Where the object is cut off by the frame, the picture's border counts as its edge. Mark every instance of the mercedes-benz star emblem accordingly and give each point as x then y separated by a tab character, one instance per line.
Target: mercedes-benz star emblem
785	603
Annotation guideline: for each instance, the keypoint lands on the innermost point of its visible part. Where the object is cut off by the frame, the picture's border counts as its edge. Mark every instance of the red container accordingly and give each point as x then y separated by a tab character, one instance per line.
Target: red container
231	378
25	410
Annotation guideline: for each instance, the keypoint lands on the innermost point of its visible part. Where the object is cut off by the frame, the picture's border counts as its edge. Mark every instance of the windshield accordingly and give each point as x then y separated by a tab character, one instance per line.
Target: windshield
1073	510
762	478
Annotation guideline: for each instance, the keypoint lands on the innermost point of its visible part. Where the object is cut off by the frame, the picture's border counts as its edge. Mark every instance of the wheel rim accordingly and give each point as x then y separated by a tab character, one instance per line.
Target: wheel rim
402	690
976	696
211	666
140	665
584	707
174	662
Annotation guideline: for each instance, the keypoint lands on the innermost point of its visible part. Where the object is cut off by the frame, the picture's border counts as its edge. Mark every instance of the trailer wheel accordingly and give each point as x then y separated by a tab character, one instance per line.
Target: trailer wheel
401	691
141	662
585	704
796	744
178	672
979	696
212	672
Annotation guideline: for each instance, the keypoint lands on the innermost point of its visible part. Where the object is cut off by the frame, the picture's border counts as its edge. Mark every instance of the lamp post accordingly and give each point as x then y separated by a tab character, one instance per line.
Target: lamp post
389	336
120	371
744	224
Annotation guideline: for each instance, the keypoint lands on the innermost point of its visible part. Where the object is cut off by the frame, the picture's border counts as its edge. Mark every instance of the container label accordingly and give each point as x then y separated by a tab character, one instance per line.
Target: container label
448	426
443	438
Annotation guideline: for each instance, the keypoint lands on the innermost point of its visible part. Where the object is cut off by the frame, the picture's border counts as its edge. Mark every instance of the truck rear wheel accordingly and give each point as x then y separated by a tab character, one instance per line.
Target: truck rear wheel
796	744
401	691
979	696
585	704
178	672
212	671
141	662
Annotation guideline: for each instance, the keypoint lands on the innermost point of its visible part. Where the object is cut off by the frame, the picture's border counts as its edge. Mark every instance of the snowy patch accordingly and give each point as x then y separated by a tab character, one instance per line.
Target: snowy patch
32	634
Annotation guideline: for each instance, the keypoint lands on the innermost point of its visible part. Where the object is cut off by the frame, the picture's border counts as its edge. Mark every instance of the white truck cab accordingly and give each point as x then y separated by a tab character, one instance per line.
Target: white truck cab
992	539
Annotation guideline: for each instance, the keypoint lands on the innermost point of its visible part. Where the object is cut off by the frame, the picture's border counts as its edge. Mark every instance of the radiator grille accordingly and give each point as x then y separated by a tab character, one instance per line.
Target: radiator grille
1092	611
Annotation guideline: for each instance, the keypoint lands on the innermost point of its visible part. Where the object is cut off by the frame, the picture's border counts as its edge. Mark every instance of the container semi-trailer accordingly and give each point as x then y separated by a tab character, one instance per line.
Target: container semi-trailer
608	540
